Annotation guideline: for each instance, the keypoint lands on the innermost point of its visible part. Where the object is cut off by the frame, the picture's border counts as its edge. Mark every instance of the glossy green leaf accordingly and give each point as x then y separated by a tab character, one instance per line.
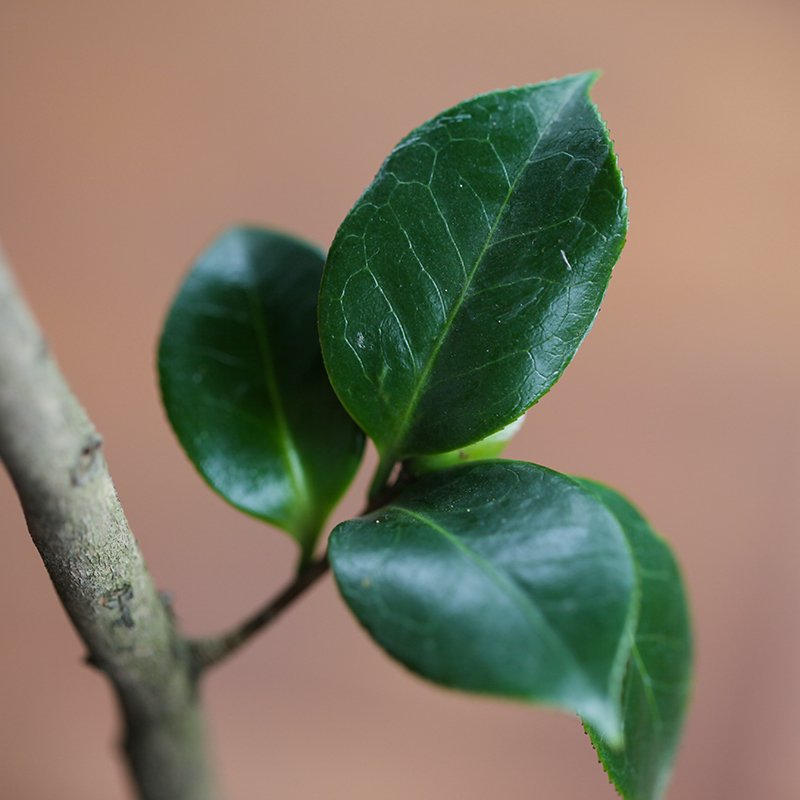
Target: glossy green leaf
463	281
658	677
501	578
244	386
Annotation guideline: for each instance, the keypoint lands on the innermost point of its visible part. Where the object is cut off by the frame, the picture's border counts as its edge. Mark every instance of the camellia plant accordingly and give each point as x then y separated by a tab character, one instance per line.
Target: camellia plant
454	295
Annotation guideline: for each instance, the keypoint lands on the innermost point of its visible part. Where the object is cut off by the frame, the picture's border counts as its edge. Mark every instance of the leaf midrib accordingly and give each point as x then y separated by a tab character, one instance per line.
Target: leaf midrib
406	420
644	677
288	448
521	600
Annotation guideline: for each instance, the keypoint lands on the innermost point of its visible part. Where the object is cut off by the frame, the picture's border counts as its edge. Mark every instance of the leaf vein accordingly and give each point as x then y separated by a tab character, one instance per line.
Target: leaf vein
406	419
529	610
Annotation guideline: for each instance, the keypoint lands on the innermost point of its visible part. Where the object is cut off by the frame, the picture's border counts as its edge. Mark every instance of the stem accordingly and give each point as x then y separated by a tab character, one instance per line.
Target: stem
53	454
208	652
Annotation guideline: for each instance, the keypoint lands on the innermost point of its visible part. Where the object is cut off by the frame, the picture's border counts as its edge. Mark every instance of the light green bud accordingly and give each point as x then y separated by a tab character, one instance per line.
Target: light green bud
490	447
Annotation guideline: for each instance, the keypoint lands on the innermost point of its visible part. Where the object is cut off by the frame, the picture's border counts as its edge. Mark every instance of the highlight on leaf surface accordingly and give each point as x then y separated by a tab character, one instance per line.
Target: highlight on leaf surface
244	386
658	676
500	578
464	279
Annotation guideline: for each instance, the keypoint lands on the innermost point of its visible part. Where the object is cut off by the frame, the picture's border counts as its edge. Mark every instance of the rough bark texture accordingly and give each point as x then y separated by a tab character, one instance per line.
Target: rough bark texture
54	457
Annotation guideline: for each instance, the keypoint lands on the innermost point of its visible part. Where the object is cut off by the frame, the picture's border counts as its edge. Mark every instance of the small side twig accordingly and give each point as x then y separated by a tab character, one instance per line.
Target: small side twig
207	652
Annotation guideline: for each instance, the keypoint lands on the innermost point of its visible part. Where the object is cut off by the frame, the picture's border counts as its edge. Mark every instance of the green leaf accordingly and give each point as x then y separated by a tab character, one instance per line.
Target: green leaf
463	281
658	677
501	578
244	386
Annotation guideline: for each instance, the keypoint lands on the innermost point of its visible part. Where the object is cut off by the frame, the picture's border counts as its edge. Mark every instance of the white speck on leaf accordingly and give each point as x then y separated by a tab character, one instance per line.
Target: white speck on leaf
566	260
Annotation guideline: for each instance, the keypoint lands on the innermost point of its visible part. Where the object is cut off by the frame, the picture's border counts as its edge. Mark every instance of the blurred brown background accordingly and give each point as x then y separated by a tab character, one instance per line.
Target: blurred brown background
130	133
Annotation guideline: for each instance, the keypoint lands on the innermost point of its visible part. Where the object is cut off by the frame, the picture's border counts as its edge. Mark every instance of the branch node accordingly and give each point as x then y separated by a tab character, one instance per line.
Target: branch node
86	461
119	600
